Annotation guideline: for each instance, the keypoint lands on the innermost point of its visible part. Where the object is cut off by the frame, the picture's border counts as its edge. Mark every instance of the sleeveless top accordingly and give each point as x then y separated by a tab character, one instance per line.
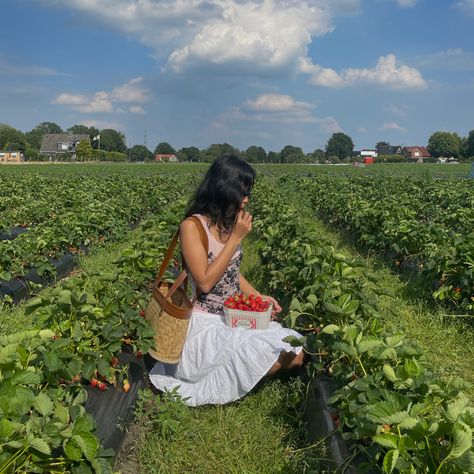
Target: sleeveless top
213	302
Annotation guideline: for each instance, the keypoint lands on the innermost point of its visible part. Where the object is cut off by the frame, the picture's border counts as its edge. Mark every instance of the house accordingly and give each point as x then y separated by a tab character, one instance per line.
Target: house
61	143
390	150
418	152
166	158
11	156
371	153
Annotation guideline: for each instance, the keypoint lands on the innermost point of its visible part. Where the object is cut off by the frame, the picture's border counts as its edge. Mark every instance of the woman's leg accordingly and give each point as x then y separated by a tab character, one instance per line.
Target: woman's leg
287	360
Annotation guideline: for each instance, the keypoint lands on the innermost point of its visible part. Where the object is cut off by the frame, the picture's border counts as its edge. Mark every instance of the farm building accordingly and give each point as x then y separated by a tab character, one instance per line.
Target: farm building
166	158
61	143
419	152
11	156
390	149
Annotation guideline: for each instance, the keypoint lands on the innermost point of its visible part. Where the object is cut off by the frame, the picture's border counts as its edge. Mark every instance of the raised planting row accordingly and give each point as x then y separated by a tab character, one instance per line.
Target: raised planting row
425	225
397	415
94	324
410	170
69	214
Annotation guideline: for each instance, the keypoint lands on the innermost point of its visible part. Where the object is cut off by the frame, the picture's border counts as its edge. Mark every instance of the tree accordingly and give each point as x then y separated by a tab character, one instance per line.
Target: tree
381	145
111	140
35	135
273	157
444	144
218	149
140	153
165	149
12	139
84	151
255	154
82	129
469	146
340	145
291	154
189	154
318	156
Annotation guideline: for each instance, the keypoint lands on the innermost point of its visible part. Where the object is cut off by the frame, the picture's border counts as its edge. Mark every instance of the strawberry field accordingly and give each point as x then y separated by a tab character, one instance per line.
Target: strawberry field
396	411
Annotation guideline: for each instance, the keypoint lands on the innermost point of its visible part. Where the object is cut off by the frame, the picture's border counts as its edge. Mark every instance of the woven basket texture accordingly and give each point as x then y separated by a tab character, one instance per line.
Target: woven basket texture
170	332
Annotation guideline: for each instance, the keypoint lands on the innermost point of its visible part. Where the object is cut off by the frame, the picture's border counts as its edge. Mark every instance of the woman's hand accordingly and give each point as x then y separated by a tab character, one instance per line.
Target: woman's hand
276	307
242	226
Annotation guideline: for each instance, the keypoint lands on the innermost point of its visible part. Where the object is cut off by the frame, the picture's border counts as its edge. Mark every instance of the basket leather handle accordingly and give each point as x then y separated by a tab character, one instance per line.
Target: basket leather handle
172	246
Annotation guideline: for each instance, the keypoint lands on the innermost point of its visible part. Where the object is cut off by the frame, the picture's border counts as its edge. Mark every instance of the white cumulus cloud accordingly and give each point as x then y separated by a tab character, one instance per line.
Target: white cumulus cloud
407	3
7	68
257	36
103	102
455	59
392	126
387	73
136	109
466	5
276	108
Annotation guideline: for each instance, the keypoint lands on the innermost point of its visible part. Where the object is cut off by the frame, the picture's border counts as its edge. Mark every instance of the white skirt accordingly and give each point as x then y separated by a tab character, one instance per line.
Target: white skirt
220	364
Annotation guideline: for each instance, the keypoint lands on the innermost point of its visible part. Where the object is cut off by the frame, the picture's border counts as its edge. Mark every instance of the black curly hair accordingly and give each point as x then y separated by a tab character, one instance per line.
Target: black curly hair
227	182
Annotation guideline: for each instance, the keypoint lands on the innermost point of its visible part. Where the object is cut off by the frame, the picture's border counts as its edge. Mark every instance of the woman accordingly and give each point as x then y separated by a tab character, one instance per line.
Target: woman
220	364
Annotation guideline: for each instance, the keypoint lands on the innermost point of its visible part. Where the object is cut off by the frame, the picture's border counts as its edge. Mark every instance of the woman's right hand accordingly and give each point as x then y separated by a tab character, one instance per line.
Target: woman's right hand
242	226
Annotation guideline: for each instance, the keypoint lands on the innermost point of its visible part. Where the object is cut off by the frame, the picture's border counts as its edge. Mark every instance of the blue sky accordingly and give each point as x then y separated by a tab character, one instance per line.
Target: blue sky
266	72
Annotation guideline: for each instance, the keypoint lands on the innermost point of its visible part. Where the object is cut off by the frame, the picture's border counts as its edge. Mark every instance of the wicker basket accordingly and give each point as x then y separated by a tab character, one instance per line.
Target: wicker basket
170	331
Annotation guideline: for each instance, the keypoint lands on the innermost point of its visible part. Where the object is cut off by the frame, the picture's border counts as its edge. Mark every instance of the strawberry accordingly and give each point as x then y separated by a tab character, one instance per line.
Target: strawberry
139	354
94	382
126	385
142	313
114	361
102	386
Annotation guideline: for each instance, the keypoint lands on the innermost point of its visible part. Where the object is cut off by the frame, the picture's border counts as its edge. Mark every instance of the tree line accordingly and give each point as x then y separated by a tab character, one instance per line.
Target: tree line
339	148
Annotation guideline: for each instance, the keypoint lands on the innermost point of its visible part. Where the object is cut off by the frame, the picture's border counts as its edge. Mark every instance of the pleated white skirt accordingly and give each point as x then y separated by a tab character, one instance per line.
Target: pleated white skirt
220	364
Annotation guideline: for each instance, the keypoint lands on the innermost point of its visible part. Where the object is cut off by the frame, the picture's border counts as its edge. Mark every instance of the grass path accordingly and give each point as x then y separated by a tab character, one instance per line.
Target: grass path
256	434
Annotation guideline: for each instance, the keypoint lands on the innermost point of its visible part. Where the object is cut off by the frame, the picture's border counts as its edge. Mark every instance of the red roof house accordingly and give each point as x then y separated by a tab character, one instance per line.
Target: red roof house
419	152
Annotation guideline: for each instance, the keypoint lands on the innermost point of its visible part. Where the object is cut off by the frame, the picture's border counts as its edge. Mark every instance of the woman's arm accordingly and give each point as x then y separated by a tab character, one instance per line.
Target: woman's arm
245	287
207	275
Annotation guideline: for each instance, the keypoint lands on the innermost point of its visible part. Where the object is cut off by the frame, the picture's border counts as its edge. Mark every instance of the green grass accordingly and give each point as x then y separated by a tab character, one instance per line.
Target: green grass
257	434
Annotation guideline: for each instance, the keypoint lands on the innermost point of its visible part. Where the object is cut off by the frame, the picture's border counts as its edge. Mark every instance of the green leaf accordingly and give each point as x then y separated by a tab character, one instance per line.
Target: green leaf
389	373
368	344
466	461
83	423
62	413
25	377
8	353
80	398
456	407
387	440
390	460
72	450
330	329
88	443
462	440
332	308
6	428
101	466
312	299
43	404
52	361
40	445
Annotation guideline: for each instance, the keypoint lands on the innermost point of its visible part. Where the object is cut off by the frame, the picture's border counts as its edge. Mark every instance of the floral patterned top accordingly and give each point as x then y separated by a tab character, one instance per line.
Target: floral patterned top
213	302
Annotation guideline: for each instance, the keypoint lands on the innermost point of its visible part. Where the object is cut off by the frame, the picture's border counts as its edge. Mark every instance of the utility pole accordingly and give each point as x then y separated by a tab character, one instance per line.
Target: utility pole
144	139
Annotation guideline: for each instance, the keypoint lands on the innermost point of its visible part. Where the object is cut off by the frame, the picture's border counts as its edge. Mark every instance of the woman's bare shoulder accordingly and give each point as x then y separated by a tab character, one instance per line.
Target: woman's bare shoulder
188	226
